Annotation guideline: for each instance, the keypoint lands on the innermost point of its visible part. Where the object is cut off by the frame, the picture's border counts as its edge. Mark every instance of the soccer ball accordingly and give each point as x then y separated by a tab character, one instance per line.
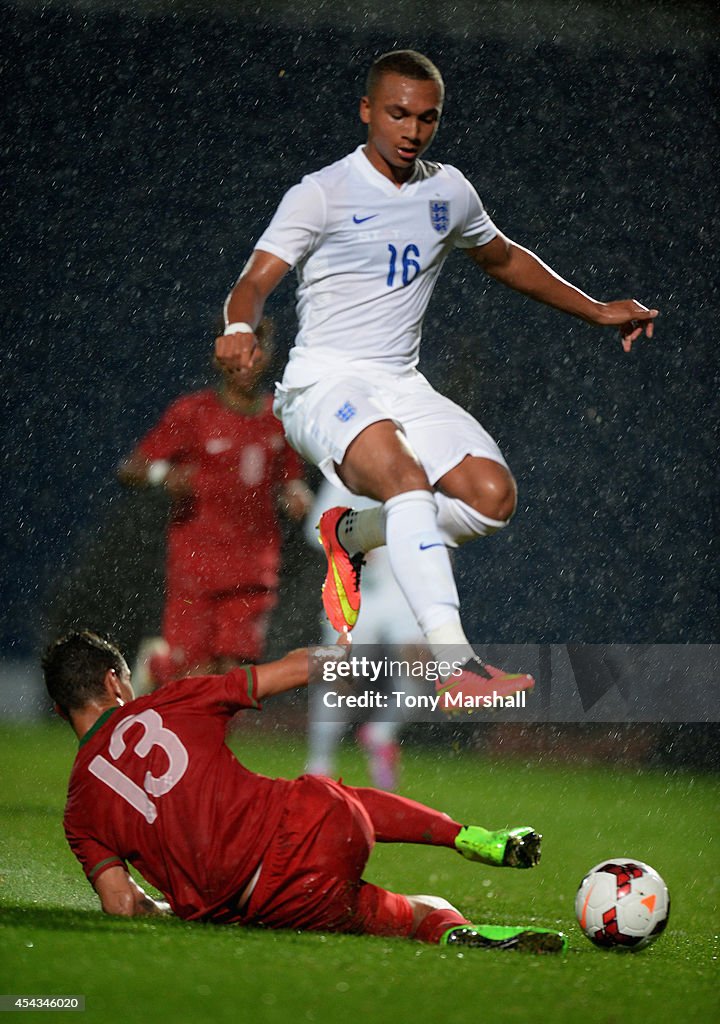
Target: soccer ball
622	904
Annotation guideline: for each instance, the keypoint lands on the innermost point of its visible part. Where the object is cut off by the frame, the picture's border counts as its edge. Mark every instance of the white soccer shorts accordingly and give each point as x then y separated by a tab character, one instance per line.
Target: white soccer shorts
322	420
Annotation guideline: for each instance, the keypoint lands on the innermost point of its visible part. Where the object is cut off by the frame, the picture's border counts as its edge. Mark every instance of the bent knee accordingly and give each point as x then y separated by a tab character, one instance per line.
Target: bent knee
486	487
504	497
495	495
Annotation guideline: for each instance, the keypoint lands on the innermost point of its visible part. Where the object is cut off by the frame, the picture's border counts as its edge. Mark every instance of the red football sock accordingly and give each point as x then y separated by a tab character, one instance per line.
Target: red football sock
399	820
433	927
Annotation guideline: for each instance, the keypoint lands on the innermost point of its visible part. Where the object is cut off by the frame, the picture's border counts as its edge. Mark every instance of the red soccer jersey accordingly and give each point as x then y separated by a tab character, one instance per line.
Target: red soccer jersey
154	784
227	535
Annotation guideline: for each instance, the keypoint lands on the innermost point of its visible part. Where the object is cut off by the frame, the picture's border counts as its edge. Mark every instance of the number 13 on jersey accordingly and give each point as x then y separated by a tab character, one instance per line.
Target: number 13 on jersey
155	735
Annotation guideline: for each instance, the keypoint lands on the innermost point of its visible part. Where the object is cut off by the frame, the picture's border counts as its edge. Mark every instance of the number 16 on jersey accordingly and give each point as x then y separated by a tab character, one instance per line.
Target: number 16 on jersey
409	265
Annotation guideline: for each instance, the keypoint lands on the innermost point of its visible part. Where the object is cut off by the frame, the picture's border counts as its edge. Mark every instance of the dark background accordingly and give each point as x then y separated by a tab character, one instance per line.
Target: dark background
145	152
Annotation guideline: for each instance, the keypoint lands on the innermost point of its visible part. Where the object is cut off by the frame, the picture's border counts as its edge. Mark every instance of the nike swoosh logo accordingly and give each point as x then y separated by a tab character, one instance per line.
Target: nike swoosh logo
437	544
361	220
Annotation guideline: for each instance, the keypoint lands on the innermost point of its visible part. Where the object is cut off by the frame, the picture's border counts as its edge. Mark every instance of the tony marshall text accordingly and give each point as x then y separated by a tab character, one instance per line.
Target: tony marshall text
431	702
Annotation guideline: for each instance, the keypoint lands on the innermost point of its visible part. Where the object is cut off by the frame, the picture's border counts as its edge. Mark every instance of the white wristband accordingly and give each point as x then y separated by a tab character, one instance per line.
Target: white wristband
239	328
157	472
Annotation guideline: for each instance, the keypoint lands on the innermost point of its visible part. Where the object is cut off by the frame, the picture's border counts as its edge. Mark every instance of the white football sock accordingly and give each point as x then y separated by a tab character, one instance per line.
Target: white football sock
421	565
459	522
380	734
361	530
448	643
323	741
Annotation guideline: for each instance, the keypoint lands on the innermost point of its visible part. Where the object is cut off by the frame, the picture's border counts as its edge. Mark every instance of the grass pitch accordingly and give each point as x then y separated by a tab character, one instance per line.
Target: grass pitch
54	940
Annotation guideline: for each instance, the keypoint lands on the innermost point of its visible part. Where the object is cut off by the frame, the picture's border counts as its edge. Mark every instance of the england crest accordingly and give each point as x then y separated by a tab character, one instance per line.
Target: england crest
440	214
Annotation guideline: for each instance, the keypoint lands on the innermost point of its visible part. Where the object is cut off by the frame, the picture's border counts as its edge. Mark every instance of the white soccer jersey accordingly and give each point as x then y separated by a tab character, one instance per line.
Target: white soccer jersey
367	255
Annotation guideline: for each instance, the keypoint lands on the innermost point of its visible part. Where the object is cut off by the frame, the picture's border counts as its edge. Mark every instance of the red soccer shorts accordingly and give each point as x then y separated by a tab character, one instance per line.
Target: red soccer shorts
311	877
227	625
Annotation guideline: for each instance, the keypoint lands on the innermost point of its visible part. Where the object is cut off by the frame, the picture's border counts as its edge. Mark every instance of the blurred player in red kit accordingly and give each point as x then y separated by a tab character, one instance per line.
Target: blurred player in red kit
155	785
222	457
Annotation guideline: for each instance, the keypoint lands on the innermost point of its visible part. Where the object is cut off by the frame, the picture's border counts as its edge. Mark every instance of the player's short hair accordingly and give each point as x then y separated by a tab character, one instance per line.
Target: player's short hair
409	64
75	665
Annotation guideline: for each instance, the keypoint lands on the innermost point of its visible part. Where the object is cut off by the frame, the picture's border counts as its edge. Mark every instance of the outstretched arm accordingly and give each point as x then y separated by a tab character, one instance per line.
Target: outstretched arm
120	894
522	270
137	471
244	309
295	669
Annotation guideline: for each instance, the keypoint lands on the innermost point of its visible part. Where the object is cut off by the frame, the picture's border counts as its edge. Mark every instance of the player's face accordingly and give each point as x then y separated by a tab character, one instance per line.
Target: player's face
402	116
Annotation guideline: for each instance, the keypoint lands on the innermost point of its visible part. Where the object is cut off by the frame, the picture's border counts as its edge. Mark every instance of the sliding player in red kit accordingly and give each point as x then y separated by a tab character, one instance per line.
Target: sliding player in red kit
154	785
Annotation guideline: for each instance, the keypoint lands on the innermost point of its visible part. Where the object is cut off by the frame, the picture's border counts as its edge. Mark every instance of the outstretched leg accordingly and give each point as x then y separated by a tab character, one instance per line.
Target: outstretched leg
311	875
378	463
397	819
433	920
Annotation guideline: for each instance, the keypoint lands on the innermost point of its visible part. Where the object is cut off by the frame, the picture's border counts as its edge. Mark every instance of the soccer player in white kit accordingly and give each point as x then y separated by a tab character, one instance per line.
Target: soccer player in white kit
367	237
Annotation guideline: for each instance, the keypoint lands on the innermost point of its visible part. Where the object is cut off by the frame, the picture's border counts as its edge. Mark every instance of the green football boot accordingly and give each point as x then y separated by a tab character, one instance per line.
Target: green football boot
515	937
506	848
